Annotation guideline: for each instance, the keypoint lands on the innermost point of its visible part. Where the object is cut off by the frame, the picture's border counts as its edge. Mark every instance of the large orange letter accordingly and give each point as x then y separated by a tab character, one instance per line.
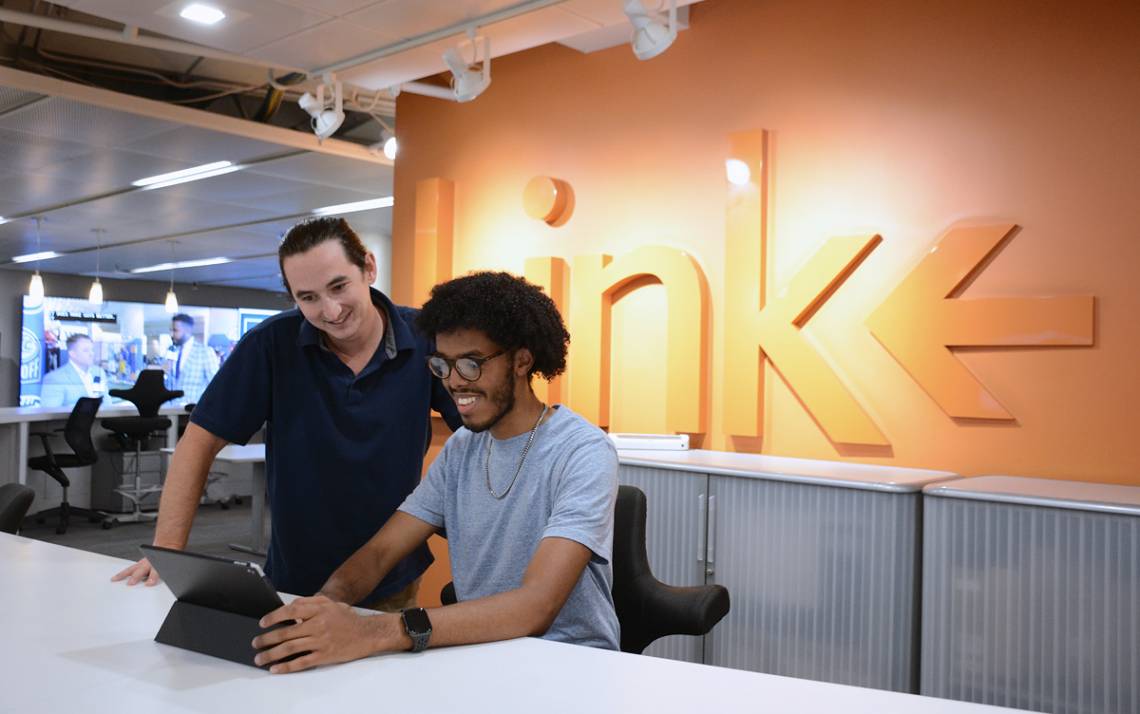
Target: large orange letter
597	280
759	327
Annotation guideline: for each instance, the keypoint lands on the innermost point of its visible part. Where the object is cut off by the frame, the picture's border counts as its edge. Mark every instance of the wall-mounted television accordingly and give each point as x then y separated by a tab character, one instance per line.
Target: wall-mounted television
111	343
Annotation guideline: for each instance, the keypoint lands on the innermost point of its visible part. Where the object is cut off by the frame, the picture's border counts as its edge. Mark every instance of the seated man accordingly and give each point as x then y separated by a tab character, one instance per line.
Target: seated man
524	493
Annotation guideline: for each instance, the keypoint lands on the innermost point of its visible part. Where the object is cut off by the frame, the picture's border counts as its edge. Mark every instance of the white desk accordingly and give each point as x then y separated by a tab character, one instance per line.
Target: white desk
253	454
73	639
15	427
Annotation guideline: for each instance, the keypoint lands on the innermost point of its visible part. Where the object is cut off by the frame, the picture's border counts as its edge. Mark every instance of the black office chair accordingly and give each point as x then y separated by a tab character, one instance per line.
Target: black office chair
77	434
647	609
15	500
148	394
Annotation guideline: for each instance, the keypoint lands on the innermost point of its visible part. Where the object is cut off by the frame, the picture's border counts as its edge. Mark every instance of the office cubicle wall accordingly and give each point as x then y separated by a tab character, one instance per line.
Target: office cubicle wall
1032	599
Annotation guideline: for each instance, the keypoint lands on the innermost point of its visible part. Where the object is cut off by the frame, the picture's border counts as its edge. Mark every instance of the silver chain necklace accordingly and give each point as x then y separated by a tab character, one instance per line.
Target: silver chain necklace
526	449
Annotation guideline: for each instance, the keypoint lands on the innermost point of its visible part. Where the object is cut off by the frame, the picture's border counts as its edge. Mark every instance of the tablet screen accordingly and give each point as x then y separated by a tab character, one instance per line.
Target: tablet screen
217	583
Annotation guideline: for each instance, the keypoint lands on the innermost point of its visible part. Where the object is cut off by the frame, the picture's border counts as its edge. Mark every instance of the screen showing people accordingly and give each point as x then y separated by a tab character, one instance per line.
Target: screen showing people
70	348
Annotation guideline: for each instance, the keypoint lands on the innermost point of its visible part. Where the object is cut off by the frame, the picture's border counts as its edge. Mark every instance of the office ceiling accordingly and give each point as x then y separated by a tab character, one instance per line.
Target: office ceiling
73	162
314	34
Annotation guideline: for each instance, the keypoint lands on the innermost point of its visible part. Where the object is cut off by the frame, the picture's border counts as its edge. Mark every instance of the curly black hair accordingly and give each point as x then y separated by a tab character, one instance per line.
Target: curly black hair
510	311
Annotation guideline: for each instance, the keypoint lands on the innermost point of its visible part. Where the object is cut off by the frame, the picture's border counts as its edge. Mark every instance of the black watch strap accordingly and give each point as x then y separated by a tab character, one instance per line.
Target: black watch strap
418	626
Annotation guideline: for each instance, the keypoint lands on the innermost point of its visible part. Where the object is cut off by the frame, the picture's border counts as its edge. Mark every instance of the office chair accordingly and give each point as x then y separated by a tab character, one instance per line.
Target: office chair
77	434
15	500
148	394
647	609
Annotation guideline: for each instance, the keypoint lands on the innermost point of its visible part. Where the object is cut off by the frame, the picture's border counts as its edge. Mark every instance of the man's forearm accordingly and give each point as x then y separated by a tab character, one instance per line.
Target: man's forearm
360	574
182	490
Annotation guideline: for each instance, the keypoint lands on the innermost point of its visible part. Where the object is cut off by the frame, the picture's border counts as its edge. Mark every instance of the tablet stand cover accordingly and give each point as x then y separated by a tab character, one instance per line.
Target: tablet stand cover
219	603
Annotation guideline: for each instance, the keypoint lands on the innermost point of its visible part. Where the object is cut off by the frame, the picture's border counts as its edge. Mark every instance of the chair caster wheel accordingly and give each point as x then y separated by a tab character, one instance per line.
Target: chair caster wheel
93	519
108	525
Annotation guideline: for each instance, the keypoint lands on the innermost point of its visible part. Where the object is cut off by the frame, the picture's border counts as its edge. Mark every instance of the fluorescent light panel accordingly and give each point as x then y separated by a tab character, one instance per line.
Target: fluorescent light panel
202	262
45	255
341	208
202	14
194	173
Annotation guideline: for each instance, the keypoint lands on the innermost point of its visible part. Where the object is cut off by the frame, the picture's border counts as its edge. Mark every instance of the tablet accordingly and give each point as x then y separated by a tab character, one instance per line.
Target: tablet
217	583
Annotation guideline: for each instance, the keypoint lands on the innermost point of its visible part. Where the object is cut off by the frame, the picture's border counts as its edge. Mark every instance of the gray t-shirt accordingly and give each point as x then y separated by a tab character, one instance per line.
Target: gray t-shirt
566	489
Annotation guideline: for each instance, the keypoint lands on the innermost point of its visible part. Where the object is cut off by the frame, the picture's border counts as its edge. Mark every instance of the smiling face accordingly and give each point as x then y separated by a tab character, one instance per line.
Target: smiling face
485	402
331	292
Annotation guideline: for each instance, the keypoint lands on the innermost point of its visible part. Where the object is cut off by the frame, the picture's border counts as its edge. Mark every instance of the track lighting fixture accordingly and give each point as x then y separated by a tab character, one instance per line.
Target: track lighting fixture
652	35
327	112
467	80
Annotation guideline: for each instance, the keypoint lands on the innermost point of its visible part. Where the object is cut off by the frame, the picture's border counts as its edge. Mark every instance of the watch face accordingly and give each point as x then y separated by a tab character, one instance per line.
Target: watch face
416	621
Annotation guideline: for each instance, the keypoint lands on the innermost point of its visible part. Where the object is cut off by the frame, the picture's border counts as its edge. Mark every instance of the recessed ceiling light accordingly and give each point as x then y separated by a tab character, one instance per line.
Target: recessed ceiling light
182	264
202	14
44	255
194	173
340	208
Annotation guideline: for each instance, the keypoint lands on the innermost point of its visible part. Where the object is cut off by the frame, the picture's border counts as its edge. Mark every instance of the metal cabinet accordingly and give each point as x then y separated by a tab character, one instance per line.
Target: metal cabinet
820	560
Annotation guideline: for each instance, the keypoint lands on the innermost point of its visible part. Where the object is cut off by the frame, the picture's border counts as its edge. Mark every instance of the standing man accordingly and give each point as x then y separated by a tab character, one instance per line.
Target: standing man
190	364
80	377
525	493
341	383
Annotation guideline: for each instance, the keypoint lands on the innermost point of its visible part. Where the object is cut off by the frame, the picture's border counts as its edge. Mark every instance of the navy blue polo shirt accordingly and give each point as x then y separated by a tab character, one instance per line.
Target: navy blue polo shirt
343	450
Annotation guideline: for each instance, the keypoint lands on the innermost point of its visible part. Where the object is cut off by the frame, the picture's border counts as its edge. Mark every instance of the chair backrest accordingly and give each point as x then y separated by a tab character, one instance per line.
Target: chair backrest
148	393
77	433
647	608
15	500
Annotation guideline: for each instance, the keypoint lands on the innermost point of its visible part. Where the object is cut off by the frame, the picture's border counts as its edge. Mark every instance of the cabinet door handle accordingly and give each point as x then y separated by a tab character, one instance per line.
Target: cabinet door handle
701	523
712	530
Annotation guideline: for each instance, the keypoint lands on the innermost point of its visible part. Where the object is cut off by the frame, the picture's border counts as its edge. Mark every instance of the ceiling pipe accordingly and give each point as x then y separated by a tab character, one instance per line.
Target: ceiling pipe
444	32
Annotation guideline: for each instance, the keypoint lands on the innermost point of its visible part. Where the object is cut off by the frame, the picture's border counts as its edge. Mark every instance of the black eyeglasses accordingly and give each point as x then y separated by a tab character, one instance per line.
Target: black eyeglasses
470	368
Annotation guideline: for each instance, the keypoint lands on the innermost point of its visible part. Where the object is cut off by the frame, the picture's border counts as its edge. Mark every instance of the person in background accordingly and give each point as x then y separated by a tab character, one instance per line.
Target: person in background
525	493
341	384
190	364
80	377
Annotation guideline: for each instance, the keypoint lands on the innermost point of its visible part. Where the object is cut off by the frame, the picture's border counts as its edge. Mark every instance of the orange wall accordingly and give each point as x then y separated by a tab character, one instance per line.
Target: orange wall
898	118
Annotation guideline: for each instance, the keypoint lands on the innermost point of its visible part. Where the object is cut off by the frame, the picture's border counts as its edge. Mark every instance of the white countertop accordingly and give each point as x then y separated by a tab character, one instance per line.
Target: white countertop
15	415
1078	495
73	639
782	468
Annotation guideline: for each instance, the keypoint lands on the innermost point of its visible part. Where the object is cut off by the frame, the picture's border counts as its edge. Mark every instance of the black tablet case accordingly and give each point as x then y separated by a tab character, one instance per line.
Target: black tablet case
219	603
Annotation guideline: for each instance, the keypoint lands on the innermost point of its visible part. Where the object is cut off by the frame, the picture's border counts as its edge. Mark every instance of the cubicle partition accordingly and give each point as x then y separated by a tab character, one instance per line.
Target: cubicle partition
1031	594
820	558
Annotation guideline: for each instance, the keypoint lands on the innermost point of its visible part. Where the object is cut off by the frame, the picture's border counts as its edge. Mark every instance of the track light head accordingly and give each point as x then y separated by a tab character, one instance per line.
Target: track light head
327	114
652	35
467	81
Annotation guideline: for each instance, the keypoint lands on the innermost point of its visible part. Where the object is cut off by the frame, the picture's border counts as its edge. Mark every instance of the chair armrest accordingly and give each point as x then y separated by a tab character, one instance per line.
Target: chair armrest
44	439
689	610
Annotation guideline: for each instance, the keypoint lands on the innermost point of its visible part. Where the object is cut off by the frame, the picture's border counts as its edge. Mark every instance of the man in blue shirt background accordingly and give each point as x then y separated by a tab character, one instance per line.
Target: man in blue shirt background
342	384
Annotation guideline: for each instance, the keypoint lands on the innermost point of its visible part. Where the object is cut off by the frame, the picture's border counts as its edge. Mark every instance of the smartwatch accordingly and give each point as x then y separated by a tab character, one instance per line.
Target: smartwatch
418	626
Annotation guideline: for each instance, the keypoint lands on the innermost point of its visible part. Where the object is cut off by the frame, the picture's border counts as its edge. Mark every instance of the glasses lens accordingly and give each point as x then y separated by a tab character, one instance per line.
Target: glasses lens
468	368
438	367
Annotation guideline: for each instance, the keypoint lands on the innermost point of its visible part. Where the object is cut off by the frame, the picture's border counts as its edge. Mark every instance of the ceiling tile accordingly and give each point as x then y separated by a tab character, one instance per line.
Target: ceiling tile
202	146
69	120
26	152
518	33
250	23
408	18
324	45
12	98
331	7
106	169
326	170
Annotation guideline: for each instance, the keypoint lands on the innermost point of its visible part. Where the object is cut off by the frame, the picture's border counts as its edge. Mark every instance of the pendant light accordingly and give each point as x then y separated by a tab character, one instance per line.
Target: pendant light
171	298
95	297
36	286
